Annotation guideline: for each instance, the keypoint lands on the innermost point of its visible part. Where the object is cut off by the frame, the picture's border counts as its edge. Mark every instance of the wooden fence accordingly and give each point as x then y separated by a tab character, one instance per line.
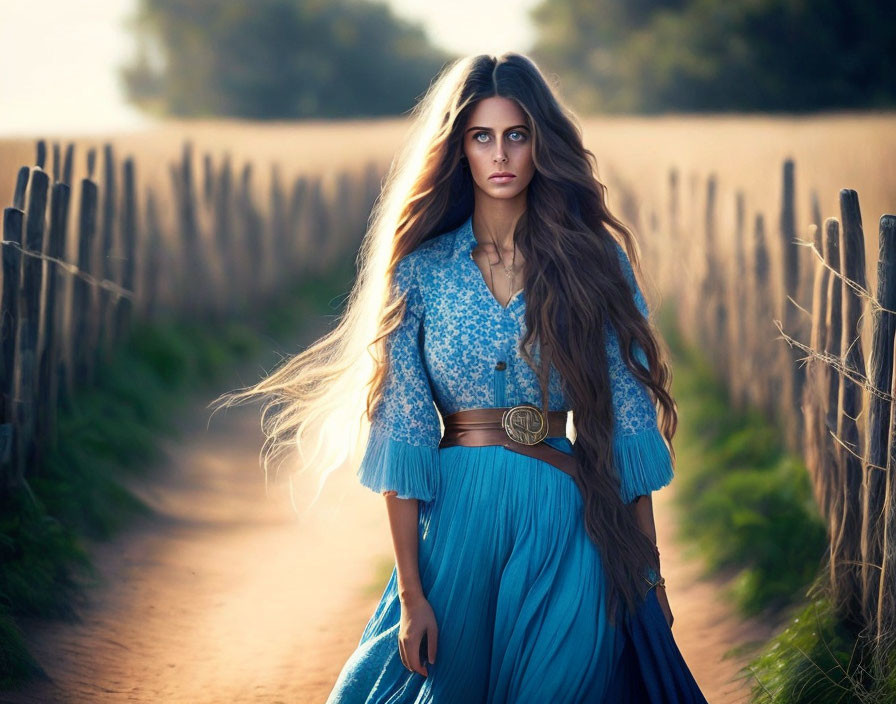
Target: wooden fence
68	300
757	284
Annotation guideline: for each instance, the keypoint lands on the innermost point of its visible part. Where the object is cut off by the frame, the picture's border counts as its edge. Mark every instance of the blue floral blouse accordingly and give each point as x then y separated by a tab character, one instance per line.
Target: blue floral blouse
443	357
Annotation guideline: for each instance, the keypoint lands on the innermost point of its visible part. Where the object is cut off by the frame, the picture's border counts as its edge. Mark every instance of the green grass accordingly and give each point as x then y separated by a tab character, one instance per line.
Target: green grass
111	430
815	660
745	502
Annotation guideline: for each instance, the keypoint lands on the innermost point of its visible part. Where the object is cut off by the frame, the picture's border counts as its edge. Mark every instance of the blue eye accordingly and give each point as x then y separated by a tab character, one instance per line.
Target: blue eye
522	136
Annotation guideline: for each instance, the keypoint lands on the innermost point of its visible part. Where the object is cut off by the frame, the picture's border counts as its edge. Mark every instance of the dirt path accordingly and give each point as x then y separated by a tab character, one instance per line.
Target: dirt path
228	597
705	626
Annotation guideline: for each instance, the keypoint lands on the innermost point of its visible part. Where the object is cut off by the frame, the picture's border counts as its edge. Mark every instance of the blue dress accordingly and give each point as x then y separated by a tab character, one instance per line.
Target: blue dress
514	581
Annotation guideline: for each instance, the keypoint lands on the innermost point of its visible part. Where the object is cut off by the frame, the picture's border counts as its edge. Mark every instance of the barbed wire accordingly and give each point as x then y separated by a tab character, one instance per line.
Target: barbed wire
859	290
75	271
835	362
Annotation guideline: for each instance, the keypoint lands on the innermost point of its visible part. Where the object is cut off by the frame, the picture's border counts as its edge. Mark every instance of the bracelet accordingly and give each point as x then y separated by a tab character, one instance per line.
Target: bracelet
661	582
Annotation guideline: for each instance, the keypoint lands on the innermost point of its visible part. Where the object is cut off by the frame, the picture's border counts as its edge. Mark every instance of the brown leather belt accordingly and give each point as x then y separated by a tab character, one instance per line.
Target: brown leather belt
518	428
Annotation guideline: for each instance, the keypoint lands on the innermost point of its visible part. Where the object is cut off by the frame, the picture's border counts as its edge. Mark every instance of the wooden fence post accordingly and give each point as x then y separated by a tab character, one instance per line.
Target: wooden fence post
885	621
808	272
792	374
673	208
250	234
194	279
302	194
340	220
128	238
41	148
762	315
107	249
847	541
85	299
13	220
18	198
739	288
29	326
48	376
208	179
278	232
814	390
67	163
222	219
833	342
317	223
878	425
153	255
706	303
57	159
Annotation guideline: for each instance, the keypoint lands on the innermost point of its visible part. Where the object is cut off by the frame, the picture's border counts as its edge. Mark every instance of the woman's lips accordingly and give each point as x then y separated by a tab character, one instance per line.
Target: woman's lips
502	178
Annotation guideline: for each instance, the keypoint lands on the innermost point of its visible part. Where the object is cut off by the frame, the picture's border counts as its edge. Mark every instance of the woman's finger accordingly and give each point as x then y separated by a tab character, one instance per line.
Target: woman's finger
404	660
412	650
432	636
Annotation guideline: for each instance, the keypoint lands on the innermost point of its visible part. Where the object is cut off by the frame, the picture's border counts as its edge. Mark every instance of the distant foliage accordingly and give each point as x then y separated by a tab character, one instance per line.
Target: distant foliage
720	55
276	59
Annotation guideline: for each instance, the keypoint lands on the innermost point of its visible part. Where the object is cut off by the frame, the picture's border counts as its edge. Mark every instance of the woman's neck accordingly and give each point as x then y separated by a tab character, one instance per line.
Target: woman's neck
496	222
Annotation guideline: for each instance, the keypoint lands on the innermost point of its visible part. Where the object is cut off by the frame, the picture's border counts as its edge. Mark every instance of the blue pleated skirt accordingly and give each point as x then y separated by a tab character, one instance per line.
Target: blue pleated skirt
519	595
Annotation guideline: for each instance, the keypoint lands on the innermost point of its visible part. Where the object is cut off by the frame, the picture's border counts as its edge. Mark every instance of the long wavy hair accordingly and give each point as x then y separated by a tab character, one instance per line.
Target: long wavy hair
574	284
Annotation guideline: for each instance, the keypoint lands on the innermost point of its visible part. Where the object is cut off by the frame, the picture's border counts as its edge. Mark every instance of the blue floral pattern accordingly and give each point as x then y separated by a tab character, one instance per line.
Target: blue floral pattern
444	357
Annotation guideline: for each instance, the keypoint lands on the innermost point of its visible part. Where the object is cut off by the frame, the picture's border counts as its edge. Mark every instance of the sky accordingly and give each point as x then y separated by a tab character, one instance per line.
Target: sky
59	75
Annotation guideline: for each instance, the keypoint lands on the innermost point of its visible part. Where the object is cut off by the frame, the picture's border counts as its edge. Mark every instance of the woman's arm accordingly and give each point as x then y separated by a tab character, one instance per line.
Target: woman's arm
644	517
417	617
403	523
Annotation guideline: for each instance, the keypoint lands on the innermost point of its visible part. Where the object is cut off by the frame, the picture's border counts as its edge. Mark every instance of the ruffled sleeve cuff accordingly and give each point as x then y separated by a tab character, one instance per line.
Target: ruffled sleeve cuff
388	465
643	462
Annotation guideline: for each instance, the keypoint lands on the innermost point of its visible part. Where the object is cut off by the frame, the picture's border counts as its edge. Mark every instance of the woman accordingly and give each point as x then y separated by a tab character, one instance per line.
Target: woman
498	299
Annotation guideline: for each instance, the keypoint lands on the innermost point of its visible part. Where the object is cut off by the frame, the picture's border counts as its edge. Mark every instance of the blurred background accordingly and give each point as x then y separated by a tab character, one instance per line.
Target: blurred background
127	64
187	183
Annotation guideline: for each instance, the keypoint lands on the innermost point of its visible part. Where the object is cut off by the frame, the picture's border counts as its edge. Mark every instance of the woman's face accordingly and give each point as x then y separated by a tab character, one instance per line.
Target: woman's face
497	141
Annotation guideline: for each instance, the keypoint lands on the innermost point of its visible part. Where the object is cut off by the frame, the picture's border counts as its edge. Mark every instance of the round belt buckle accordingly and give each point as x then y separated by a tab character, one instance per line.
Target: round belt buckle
525	424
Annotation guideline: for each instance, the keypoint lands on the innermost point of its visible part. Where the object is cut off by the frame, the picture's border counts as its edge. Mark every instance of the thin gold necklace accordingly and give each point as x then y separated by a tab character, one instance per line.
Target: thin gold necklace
509	271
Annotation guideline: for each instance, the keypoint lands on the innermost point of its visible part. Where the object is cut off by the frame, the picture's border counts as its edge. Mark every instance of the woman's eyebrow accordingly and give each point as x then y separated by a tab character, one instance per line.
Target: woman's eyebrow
489	129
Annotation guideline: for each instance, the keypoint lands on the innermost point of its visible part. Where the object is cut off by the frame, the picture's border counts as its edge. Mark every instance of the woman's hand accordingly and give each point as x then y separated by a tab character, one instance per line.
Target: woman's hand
664	604
417	621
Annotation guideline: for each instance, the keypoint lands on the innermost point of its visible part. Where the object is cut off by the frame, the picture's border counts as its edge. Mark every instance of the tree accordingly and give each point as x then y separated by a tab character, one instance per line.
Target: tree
277	59
695	55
